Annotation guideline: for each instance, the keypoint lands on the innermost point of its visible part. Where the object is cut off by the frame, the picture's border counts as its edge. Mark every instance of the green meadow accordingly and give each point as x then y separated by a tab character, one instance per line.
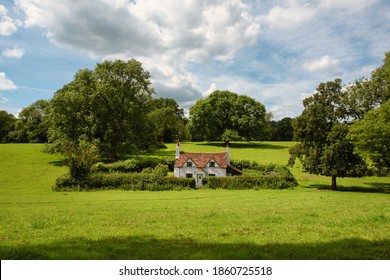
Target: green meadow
307	222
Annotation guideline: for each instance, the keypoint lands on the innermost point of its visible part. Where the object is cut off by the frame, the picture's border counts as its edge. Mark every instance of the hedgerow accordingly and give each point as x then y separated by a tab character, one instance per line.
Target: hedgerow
133	165
123	181
259	177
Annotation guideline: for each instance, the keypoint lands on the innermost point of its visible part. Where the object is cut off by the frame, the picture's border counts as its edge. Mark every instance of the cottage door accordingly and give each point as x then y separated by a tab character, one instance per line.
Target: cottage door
199	180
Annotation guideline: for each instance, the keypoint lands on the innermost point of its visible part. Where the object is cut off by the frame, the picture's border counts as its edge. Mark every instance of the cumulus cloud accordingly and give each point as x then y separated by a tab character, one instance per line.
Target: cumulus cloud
213	87
290	16
166	37
15	52
201	30
5	83
273	51
8	26
324	63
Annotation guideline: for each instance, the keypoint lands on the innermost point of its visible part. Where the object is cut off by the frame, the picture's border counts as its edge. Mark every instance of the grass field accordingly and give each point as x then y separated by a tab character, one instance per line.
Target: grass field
309	222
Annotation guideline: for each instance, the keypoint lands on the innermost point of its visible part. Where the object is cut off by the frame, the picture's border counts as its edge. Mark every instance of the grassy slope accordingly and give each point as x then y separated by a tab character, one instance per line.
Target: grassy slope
305	223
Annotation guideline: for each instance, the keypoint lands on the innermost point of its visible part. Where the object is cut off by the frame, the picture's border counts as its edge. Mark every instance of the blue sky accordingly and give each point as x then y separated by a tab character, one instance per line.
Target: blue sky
274	51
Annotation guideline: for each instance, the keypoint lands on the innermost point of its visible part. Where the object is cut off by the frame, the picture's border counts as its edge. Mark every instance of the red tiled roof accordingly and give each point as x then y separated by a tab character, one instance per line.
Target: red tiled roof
201	159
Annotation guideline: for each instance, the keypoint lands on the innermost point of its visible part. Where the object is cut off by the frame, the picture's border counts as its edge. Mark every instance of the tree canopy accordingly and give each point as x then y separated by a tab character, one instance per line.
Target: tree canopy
323	147
106	106
167	119
225	110
33	123
371	136
7	125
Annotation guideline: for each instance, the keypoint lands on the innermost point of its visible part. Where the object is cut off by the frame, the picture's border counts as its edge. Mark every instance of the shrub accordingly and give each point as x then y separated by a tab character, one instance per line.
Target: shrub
134	165
80	158
125	181
282	180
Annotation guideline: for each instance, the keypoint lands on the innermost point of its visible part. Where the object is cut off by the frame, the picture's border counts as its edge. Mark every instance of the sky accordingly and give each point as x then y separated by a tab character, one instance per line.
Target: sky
274	51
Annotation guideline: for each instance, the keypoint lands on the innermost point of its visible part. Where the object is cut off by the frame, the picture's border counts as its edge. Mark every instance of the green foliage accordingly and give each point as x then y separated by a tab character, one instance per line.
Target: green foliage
323	147
134	165
125	181
255	176
37	223
366	94
271	181
80	157
371	136
160	170
167	119
223	110
7	125
106	106
32	125
338	158
244	164
282	130
230	135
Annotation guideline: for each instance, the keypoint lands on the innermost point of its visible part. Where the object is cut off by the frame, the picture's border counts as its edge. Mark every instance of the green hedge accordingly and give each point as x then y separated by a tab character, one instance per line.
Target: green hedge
124	181
271	181
133	165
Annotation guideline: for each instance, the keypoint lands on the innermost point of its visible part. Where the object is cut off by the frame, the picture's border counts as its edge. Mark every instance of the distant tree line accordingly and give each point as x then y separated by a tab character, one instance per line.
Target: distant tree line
109	112
112	108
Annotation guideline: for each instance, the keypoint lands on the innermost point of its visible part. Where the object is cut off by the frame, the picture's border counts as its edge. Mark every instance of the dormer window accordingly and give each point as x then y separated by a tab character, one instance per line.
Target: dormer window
212	163
189	163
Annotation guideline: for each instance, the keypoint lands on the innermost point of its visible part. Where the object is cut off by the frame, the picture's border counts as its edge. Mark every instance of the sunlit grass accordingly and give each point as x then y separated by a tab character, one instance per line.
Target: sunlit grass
305	223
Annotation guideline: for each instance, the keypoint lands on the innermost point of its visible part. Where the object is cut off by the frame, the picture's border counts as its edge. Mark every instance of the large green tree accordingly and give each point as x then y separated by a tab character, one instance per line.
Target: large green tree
33	123
371	136
7	125
225	110
367	93
321	134
106	106
167	119
281	130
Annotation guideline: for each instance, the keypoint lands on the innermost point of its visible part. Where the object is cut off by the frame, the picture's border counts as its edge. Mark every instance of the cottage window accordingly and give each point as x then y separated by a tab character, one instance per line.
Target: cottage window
189	164
212	175
188	175
212	164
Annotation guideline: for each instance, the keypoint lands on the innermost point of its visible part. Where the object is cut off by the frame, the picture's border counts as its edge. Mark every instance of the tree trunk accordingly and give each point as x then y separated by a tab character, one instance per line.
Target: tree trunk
334	188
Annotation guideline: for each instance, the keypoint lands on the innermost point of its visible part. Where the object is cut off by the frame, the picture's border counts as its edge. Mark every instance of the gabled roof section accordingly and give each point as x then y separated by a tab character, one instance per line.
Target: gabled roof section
202	159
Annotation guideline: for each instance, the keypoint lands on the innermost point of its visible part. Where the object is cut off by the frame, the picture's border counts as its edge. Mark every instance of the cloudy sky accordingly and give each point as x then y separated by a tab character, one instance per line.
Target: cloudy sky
274	51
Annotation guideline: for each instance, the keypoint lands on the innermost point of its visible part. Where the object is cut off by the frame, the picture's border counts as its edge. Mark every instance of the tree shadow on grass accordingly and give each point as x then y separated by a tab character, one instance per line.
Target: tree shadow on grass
371	188
149	248
244	145
58	163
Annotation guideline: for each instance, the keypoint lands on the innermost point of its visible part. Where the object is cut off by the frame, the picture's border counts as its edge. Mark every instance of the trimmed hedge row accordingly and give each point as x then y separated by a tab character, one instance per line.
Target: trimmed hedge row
133	165
123	181
272	181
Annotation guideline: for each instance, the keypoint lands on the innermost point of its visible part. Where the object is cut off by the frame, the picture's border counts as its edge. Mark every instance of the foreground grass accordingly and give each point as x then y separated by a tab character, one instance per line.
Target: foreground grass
304	223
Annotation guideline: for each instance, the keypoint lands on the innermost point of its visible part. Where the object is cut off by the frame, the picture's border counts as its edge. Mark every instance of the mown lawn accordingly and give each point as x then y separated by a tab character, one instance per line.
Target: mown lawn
308	222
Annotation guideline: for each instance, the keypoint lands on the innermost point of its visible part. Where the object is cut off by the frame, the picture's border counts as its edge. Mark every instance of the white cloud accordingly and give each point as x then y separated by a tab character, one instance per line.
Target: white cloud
349	5
324	63
274	51
282	99
15	52
5	83
8	25
289	17
213	87
166	37
202	30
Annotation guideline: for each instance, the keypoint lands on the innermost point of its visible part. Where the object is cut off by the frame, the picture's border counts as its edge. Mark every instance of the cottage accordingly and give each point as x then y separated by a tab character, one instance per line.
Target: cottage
198	165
